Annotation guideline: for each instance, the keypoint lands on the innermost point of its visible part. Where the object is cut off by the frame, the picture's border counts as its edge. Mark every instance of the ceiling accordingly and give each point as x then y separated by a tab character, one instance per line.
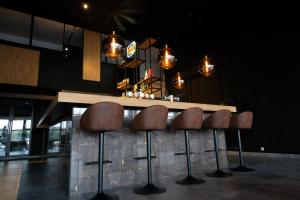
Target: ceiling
175	22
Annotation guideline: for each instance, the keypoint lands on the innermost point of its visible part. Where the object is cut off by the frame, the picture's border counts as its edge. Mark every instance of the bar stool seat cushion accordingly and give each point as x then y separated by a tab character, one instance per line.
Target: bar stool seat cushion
242	120
103	116
151	118
188	119
217	120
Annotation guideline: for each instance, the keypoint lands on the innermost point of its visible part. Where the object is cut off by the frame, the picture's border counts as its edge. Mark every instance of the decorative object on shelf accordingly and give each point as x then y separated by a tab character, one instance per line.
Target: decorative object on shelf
148	73
206	68
113	46
170	98
146	85
129	94
166	58
139	95
123	84
177	81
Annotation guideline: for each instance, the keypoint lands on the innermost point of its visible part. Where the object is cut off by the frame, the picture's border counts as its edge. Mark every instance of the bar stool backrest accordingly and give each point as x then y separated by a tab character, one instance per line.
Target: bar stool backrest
151	118
103	116
242	120
188	119
218	120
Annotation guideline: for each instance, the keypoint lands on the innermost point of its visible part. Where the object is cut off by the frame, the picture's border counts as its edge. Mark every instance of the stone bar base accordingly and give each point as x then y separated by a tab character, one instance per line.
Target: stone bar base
123	148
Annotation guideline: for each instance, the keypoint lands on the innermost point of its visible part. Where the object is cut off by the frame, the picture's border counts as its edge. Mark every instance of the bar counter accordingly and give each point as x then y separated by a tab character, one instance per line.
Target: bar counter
66	97
125	150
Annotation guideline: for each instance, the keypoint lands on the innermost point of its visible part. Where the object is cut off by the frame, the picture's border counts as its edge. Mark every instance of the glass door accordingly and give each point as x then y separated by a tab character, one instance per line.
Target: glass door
59	137
4	133
4	128
21	129
15	128
20	137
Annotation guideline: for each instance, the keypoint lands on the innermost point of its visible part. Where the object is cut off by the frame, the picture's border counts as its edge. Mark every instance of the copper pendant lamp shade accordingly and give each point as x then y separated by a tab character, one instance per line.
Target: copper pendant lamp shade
166	58
206	68
178	81
113	46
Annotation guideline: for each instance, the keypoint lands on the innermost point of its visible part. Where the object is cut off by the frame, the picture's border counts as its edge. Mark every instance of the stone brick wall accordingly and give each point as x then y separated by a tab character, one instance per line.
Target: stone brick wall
122	147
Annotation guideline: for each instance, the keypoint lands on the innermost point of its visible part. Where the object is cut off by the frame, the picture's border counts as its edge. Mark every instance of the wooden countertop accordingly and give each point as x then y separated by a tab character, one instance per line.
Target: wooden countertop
86	98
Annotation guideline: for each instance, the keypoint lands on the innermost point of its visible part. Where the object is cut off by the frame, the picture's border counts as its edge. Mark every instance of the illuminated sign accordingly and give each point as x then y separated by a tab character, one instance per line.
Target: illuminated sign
130	50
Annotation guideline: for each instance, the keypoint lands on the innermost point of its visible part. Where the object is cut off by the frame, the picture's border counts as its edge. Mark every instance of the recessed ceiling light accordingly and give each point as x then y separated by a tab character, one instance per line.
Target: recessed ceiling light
85	6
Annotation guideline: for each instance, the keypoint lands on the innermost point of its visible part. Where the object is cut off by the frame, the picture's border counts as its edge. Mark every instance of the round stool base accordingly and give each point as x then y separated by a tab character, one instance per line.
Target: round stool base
219	174
103	196
242	169
190	180
149	189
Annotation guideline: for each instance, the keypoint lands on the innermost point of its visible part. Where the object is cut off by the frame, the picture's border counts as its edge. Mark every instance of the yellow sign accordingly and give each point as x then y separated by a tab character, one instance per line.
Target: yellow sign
130	50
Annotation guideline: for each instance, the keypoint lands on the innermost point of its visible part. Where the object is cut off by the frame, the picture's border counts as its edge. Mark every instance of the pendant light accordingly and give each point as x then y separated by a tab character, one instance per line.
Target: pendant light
113	46
166	58
177	81
206	68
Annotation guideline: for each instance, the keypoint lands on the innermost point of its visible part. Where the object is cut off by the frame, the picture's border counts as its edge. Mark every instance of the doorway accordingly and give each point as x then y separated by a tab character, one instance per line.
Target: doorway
15	128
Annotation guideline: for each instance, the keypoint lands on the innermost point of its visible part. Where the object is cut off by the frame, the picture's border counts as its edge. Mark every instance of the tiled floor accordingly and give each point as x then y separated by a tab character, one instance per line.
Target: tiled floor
274	179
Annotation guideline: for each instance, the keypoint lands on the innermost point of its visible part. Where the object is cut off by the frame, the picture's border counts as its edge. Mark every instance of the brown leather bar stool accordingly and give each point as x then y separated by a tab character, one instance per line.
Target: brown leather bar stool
218	120
241	121
150	119
189	119
100	118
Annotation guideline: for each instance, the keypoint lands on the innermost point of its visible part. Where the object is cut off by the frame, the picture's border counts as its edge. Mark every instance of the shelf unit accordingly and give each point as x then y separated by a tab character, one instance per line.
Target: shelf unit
125	87
149	80
147	43
131	64
135	63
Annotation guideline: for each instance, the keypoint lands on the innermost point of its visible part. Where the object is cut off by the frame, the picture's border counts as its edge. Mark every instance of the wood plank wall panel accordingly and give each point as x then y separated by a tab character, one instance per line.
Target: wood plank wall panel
19	66
91	56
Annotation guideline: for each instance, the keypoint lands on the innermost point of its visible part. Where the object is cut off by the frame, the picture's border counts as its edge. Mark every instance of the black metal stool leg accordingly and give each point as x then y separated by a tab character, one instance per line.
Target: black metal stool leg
219	172
101	195
241	168
149	188
189	180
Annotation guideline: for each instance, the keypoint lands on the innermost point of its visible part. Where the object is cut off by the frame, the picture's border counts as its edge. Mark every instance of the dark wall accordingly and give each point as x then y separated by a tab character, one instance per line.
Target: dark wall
60	72
265	72
199	89
257	73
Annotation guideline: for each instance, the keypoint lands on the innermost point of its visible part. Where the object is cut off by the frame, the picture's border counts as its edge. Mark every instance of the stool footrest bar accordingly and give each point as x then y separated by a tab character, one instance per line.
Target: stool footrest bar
143	158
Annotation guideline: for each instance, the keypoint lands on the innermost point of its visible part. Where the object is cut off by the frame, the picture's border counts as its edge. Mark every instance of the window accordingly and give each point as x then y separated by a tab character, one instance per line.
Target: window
47	34
14	26
59	137
73	36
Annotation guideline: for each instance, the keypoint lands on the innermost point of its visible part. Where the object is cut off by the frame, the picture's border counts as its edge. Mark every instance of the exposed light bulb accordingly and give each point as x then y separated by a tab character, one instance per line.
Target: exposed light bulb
85	6
165	58
178	82
205	67
113	46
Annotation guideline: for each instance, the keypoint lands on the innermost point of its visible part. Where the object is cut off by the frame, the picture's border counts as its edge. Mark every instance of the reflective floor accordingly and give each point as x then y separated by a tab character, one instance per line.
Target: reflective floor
274	178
